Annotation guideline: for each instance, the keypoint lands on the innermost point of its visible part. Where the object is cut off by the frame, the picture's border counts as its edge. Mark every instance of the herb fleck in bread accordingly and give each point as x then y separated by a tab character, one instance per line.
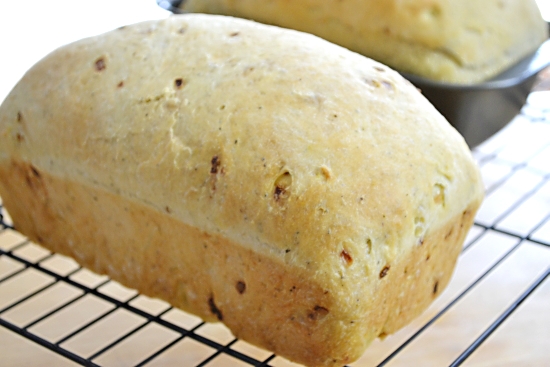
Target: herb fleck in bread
309	198
457	41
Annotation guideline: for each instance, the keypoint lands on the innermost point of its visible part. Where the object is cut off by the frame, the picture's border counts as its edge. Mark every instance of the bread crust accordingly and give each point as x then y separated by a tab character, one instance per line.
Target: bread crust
264	301
309	198
457	41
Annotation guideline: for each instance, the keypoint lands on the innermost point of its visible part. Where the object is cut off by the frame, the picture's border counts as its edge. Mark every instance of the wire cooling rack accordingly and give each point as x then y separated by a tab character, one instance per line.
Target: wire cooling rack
54	312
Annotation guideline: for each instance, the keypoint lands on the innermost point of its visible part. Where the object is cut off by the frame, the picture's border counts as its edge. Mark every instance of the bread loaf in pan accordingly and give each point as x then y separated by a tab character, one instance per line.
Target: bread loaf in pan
309	198
456	41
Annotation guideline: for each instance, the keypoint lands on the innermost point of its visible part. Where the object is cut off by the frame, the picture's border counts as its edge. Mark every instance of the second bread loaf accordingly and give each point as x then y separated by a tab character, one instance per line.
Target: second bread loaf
457	41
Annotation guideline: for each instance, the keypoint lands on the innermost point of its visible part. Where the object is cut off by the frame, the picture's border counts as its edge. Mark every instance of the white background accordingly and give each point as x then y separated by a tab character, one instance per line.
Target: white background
30	29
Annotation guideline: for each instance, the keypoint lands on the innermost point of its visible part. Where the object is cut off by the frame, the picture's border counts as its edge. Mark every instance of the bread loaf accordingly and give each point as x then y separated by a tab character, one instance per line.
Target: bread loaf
457	41
309	198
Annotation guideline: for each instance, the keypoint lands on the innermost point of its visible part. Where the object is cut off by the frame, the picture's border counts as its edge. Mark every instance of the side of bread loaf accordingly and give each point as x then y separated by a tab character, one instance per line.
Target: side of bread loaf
309	198
458	41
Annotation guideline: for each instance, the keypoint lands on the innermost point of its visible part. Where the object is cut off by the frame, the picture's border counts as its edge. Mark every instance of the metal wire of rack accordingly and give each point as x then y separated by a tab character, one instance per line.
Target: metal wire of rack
514	222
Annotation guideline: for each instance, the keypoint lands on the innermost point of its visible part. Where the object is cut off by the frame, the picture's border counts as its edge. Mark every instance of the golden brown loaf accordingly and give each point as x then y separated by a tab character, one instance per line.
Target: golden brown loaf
308	197
458	41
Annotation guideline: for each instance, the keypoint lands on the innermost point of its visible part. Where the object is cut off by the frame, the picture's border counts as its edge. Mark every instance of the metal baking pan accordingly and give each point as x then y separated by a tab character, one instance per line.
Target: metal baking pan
171	5
479	110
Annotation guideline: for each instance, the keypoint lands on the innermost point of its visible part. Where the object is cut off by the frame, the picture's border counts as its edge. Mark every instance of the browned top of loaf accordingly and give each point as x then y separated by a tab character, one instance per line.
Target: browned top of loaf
187	114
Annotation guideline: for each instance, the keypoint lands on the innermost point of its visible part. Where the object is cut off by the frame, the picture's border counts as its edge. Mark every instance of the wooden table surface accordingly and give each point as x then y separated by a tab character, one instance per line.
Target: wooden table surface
495	312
